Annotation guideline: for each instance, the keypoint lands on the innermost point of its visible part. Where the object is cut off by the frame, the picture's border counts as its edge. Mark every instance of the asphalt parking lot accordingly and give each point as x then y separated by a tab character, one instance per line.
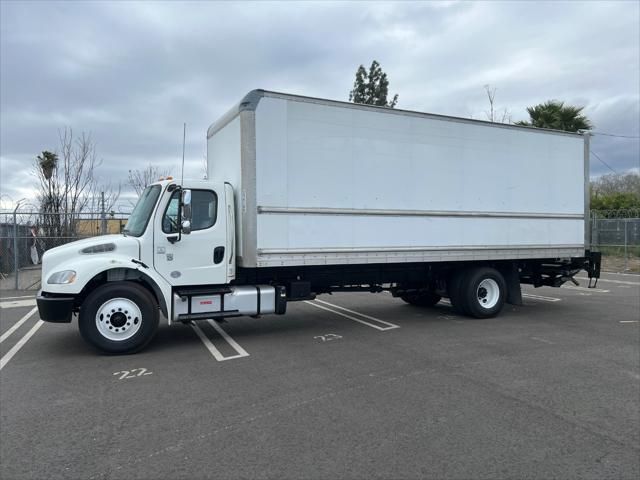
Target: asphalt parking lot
348	386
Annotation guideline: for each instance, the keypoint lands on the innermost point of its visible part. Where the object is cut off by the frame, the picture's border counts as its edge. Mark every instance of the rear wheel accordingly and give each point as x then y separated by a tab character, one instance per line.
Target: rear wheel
482	292
119	318
421	299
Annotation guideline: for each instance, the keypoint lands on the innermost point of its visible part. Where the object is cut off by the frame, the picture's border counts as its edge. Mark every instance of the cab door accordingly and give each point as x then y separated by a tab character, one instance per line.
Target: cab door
196	258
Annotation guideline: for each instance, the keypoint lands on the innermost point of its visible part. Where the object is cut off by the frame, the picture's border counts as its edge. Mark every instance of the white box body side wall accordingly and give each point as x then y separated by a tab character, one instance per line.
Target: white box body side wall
224	162
322	183
318	156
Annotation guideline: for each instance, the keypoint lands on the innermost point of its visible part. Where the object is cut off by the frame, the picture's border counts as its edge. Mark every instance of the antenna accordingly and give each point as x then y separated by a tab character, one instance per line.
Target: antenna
184	136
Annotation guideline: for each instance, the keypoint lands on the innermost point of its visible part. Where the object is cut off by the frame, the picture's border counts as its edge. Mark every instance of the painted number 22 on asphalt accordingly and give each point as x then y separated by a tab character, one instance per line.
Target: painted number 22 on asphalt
132	373
328	337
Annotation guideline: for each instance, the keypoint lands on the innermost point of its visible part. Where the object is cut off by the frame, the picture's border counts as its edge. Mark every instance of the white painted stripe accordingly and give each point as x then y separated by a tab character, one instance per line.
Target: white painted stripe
541	298
621	282
241	351
9	355
584	289
14	298
382	329
543	340
17	325
629	321
393	325
211	347
18	303
207	343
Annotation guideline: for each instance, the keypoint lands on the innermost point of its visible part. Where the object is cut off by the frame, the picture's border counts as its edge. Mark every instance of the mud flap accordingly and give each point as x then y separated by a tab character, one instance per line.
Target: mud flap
594	261
512	279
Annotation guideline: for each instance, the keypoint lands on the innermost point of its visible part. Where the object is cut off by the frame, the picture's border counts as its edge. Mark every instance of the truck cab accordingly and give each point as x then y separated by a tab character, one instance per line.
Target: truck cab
176	255
190	236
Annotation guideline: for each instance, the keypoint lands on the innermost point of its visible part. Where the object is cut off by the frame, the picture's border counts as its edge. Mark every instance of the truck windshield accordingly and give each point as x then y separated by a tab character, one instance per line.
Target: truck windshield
139	218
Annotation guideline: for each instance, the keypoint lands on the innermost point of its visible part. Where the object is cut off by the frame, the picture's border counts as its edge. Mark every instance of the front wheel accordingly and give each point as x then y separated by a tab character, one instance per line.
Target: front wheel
119	318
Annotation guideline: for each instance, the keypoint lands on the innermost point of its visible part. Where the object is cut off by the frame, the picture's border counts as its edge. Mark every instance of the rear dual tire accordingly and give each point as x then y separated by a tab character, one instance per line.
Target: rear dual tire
478	292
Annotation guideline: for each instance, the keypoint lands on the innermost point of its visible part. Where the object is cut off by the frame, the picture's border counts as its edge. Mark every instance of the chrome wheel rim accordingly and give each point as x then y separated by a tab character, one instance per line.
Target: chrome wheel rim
118	319
488	293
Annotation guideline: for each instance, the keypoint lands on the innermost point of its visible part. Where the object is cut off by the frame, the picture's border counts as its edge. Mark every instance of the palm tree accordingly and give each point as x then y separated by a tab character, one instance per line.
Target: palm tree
558	116
48	162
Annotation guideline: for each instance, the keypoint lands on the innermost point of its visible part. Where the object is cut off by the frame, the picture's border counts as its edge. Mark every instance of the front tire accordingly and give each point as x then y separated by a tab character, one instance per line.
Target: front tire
119	318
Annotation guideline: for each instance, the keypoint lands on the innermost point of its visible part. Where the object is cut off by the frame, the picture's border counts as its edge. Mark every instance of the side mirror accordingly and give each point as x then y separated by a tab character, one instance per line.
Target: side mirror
185	214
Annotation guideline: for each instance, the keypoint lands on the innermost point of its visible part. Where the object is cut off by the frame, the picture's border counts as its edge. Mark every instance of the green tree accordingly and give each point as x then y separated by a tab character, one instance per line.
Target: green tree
558	116
615	201
616	191
372	87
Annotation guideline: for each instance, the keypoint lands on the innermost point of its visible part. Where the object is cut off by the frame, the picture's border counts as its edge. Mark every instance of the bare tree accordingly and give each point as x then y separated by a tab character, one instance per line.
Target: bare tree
493	115
139	179
614	183
67	185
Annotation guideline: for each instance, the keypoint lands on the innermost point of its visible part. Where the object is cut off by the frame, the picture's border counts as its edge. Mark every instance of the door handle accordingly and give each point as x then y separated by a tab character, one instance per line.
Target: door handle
218	254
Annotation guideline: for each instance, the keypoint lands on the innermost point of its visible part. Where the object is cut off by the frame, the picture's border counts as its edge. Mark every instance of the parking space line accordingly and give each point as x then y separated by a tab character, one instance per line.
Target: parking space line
16	298
621	282
390	326
241	351
9	355
585	289
211	347
541	298
18	303
629	321
17	325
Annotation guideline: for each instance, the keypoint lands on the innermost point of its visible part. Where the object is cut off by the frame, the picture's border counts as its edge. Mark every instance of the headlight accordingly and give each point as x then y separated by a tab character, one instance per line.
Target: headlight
65	276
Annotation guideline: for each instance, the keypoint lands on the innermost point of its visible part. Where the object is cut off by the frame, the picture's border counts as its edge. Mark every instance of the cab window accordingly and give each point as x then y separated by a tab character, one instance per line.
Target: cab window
204	208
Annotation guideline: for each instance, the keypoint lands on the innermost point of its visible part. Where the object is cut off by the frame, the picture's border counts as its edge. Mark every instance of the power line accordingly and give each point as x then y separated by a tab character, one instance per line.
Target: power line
602	161
614	135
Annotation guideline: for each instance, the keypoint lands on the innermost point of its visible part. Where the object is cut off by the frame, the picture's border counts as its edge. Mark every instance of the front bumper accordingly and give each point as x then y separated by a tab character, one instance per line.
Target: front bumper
55	309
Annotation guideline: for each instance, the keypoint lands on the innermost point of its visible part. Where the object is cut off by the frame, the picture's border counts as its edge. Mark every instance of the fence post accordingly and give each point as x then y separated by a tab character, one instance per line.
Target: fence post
15	243
594	231
103	217
626	262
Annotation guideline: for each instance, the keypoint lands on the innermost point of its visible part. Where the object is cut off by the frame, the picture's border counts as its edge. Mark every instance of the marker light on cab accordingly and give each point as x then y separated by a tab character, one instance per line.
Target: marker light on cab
63	277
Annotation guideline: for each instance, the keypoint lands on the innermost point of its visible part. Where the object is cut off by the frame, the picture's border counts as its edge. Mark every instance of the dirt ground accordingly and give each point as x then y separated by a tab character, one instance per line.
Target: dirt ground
617	264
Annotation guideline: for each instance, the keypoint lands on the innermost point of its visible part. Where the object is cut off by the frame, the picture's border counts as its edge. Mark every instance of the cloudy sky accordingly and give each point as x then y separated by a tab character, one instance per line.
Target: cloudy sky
132	73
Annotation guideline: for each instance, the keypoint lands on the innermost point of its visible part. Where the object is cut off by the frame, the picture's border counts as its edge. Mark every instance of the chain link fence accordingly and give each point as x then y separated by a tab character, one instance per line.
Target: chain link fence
616	233
26	235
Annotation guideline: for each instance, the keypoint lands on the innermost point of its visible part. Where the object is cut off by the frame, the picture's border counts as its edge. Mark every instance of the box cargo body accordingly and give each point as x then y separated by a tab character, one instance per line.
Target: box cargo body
321	182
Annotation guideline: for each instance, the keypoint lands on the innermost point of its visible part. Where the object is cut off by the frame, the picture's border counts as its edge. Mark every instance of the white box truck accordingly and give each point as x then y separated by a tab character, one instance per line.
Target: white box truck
307	196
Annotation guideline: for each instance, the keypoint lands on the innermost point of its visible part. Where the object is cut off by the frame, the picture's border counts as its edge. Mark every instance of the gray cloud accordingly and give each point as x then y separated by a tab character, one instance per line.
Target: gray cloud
132	73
